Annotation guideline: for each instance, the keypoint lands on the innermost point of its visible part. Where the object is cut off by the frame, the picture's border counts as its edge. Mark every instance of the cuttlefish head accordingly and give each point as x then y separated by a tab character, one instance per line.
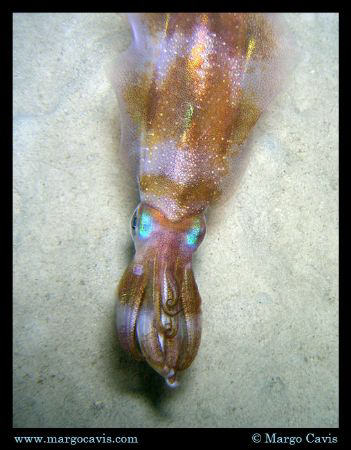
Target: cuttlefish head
159	306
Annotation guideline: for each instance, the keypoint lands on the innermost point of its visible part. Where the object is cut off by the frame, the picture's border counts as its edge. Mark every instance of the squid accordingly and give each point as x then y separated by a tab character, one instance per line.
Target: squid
191	88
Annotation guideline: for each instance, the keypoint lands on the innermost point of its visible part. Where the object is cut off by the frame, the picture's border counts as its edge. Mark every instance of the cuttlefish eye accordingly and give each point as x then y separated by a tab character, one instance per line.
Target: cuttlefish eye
195	234
141	224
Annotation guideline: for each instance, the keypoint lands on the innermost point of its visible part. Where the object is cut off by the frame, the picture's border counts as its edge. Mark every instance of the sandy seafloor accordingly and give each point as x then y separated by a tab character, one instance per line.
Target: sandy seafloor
267	270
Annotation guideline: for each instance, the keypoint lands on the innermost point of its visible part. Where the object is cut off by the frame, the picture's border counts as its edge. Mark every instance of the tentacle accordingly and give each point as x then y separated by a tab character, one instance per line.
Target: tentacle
171	304
149	323
191	301
131	290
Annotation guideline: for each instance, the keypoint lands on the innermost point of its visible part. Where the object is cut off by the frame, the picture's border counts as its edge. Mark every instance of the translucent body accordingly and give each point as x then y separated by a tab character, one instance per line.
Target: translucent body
191	88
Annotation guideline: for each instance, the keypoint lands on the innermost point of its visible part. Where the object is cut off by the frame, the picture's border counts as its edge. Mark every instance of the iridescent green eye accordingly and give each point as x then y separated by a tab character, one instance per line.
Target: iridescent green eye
192	235
145	225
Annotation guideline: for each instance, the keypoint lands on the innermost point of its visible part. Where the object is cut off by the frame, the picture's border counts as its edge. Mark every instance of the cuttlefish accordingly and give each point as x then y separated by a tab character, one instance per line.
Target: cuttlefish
191	87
